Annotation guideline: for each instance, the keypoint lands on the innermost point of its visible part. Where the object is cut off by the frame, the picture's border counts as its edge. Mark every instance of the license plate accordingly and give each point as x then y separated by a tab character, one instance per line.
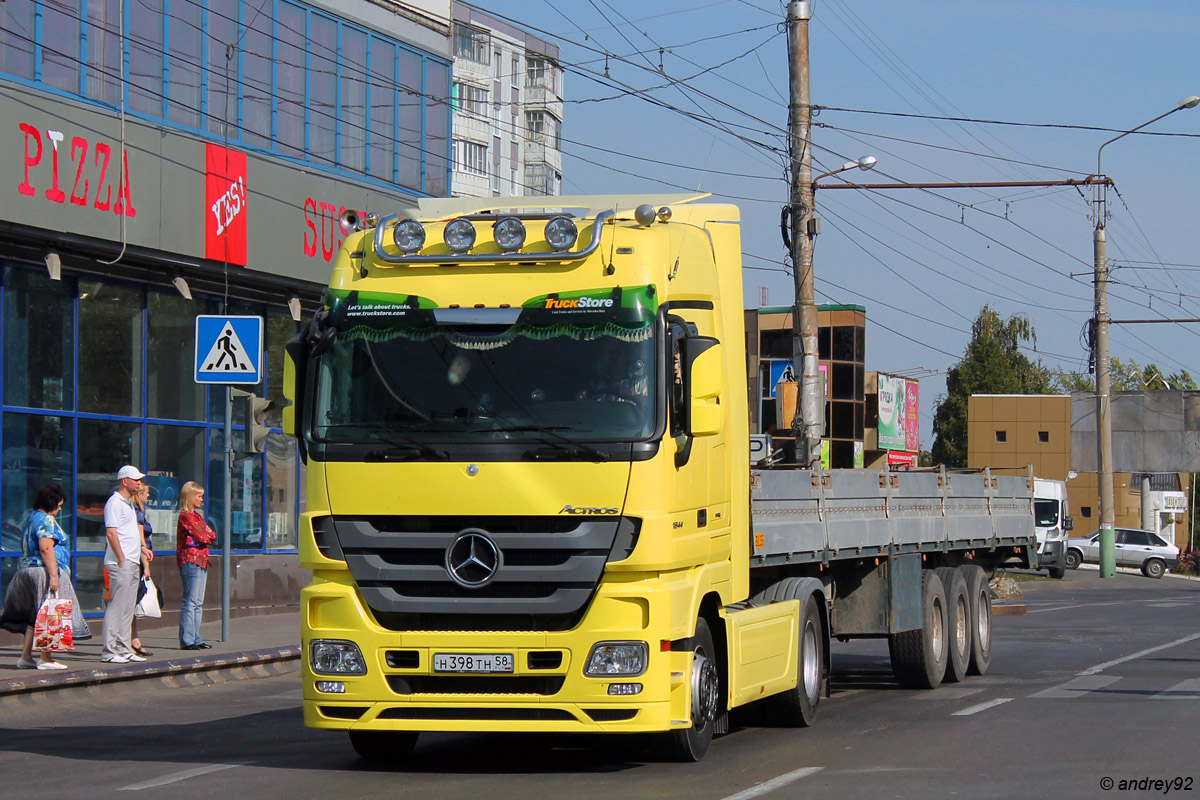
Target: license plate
473	662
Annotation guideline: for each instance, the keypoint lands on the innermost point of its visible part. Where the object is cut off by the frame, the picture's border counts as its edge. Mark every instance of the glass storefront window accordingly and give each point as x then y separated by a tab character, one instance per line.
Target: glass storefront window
36	451
110	349
174	456
171	385
282	458
105	445
89	586
246	530
39	340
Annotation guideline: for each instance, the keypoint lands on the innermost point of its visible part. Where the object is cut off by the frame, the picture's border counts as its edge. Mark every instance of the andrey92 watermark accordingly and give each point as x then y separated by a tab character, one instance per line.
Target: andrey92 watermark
1162	785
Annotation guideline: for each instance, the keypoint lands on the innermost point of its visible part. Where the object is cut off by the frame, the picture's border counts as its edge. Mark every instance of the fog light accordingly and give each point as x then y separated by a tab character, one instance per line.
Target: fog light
333	657
624	688
336	687
509	233
616	658
561	233
460	235
409	236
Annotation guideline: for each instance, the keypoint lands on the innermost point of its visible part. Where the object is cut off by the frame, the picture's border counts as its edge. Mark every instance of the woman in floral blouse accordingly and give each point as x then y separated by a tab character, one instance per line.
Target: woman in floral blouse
192	538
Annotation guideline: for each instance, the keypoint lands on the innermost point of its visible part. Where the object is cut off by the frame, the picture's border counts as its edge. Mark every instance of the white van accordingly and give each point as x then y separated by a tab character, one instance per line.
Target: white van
1051	524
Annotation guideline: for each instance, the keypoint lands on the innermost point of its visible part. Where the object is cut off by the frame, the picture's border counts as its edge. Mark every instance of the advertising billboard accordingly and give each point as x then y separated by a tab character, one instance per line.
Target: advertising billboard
892	413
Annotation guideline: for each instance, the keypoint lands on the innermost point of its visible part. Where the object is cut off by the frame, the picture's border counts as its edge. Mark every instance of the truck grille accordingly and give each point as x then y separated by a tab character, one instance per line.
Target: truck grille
545	569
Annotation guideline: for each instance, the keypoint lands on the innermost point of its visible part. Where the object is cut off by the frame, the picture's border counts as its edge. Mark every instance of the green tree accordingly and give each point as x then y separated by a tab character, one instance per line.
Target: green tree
1126	376
991	364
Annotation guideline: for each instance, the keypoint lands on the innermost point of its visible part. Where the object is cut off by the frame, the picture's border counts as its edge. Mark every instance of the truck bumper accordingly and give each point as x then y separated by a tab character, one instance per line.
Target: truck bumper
1052	555
546	692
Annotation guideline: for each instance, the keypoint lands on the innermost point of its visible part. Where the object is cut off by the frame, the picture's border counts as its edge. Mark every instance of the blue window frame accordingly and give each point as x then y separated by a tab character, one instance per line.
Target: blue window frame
254	72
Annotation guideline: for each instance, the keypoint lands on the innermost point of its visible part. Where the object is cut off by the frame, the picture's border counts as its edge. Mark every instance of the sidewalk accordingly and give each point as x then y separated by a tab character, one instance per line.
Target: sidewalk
268	642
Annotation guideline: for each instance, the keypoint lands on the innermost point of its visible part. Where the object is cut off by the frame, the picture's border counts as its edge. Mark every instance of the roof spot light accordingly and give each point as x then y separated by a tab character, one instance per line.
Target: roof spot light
460	235
509	233
409	236
561	233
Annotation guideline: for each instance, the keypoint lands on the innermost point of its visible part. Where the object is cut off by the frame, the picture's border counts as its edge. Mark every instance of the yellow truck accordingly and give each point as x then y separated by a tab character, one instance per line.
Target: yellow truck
530	505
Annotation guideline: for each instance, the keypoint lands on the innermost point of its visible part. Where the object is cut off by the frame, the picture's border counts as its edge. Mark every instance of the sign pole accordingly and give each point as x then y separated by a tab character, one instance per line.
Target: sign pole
227	537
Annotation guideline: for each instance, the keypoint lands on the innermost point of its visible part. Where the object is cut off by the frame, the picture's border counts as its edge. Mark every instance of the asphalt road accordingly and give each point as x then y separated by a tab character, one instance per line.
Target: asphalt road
1098	681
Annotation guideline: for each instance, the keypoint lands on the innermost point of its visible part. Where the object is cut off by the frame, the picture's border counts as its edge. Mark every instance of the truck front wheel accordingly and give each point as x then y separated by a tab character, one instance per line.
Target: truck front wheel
690	744
383	746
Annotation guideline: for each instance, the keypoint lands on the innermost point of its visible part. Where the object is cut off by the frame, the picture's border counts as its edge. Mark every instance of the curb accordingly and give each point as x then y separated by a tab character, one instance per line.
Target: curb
41	681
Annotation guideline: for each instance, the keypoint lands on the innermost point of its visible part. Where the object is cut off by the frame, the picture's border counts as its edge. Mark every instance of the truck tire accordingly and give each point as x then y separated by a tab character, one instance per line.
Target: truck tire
919	657
797	708
1153	568
1072	559
958	623
1057	572
690	744
383	746
981	619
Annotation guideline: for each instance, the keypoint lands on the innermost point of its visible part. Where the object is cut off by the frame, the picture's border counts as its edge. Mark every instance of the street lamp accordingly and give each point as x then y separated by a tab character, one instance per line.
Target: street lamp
805	355
1103	377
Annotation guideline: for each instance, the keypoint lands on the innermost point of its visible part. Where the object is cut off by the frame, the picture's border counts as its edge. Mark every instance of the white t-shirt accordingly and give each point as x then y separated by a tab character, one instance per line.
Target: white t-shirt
119	514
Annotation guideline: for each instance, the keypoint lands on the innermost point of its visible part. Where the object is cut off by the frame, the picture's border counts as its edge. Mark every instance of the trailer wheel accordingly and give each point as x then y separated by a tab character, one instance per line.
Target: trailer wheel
919	657
981	619
690	744
383	746
798	707
958	623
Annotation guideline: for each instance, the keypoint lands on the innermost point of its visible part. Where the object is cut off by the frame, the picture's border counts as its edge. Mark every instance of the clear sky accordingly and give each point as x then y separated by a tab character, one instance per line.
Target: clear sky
923	263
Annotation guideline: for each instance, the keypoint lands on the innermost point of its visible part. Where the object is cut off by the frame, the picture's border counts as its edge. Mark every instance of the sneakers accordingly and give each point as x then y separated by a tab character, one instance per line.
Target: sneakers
23	664
135	657
51	665
114	658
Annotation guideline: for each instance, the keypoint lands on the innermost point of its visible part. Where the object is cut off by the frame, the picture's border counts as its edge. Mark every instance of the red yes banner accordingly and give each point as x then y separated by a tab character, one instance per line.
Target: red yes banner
225	205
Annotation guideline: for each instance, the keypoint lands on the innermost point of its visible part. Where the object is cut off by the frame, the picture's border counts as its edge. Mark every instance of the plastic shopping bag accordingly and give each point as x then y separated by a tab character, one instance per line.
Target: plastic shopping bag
150	604
53	631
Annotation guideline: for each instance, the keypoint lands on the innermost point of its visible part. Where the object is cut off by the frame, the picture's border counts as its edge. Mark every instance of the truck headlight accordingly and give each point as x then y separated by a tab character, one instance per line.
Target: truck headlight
334	657
616	658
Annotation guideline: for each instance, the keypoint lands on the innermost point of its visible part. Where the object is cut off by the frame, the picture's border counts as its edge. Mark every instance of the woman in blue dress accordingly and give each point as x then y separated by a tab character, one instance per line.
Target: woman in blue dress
43	569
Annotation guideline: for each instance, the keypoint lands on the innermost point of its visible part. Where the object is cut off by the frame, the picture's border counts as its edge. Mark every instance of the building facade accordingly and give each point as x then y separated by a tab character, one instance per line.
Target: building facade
1012	432
841	339
162	161
508	108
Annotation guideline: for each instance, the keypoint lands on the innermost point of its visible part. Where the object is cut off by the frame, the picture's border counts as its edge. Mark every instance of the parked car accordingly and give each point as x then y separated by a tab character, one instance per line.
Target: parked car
1133	548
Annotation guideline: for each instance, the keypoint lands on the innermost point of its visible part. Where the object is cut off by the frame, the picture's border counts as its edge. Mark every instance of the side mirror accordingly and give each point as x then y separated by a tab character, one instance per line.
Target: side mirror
289	390
1068	523
702	364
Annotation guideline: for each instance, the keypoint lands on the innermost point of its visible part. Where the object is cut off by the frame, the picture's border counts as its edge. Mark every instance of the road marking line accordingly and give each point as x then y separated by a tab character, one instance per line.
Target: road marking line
1139	654
175	777
966	712
1076	687
1184	690
774	783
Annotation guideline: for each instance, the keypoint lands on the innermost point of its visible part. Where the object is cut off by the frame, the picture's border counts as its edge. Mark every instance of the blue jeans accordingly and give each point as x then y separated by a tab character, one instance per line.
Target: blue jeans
192	603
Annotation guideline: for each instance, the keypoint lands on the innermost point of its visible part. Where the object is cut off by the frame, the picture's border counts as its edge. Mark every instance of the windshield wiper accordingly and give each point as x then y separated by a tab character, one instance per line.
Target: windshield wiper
565	451
401	447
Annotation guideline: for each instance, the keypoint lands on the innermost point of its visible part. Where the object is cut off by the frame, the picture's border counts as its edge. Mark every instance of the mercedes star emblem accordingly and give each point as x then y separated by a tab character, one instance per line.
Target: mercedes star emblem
472	559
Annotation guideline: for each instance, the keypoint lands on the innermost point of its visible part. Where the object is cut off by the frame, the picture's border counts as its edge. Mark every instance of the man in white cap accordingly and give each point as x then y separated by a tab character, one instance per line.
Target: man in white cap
121	558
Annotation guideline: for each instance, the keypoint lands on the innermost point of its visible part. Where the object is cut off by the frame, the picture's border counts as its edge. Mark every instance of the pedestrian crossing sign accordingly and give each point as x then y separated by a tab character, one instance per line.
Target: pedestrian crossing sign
229	349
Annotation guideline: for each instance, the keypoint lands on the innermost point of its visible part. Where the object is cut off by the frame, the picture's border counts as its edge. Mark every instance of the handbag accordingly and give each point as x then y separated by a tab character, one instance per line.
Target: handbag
52	630
150	604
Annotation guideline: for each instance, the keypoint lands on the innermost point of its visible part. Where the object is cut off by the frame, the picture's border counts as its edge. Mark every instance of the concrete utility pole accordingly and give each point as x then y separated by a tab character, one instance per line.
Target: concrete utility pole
1108	564
809	421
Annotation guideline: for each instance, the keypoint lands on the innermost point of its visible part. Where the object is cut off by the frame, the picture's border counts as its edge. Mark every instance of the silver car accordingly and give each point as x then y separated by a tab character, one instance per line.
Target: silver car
1133	548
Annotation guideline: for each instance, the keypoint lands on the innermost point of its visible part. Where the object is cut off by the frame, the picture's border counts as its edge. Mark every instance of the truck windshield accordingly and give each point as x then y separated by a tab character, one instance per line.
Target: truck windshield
1045	513
480	375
